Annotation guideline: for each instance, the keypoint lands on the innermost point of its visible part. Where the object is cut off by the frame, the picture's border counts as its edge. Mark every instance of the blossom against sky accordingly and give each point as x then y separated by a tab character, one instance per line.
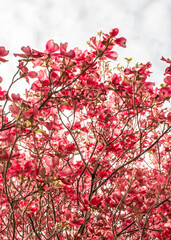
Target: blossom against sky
146	25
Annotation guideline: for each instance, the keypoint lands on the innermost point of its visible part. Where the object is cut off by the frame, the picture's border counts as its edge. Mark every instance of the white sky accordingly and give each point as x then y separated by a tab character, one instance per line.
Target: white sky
145	23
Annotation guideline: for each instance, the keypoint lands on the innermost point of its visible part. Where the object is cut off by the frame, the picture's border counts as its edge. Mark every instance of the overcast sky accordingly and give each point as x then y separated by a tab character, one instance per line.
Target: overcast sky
145	23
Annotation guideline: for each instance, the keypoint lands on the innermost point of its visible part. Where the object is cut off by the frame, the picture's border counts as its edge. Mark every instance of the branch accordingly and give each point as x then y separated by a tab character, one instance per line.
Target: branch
34	230
132	160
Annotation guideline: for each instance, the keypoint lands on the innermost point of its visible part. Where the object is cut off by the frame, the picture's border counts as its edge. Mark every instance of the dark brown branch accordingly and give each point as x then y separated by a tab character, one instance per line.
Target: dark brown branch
34	230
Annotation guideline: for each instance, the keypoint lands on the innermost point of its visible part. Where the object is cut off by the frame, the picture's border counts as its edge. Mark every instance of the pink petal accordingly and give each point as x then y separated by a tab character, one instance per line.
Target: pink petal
112	55
65	172
121	42
14	109
63	47
32	74
169	117
70	54
26	50
168	80
3	60
51	46
3	52
166	60
15	97
114	32
78	222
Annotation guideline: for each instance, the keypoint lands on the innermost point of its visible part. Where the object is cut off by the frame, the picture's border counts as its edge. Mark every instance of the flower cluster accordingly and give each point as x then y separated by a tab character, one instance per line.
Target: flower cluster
85	153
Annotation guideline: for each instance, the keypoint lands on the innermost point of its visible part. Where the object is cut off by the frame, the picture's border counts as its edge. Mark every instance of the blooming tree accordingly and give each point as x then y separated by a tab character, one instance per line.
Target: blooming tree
85	153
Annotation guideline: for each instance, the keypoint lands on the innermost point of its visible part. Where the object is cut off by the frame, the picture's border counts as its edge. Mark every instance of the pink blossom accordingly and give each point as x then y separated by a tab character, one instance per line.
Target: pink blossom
14	109
114	32
166	60
165	91
51	46
168	80
53	162
77	222
2	94
96	200
112	55
32	111
32	74
63	47
70	54
3	52
15	97
169	117
65	172
26	50
121	42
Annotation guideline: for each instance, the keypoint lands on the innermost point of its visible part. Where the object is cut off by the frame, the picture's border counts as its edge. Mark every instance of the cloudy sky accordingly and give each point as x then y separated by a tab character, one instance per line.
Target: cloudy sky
145	23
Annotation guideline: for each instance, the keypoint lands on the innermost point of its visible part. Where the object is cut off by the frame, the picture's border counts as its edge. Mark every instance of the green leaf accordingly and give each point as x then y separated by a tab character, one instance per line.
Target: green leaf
150	152
28	124
64	103
78	86
127	80
128	59
40	130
